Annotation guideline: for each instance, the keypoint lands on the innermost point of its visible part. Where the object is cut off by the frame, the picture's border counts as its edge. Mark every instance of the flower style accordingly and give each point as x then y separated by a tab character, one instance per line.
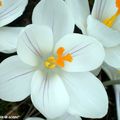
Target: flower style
55	75
64	117
103	24
9	11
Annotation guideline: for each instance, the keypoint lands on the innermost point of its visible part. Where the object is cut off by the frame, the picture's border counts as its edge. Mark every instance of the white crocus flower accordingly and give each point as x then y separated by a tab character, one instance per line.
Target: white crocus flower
64	117
103	24
55	75
9	11
114	74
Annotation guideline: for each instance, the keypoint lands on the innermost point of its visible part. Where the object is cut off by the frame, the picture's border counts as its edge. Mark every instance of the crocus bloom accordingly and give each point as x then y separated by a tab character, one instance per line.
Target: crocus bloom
114	74
103	24
55	75
64	117
9	11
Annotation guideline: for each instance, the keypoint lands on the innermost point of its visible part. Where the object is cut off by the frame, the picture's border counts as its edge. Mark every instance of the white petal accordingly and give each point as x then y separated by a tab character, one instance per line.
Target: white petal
64	117
88	97
117	94
88	54
34	43
55	14
49	94
107	36
34	118
68	117
116	25
11	10
8	39
80	10
103	9
15	79
113	57
114	74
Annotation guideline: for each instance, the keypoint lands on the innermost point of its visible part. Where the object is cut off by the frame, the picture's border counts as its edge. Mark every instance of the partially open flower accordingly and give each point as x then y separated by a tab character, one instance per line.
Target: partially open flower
55	75
103	24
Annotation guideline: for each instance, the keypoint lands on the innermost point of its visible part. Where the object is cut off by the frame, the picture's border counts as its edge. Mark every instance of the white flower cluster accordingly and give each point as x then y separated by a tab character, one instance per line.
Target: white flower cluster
55	66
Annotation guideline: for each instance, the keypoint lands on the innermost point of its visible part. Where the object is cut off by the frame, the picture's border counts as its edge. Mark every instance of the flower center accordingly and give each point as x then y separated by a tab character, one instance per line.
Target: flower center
52	62
1	3
110	21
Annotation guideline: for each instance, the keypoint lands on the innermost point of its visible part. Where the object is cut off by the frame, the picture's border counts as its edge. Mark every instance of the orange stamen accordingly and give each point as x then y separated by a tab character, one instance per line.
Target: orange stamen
68	58
110	21
118	5
60	60
51	62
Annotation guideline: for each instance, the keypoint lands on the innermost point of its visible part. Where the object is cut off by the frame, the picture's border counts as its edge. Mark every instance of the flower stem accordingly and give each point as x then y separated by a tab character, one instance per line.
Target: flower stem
111	82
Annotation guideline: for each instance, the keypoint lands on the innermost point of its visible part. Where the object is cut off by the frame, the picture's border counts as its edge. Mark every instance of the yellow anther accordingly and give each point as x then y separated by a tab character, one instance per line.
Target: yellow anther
50	63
